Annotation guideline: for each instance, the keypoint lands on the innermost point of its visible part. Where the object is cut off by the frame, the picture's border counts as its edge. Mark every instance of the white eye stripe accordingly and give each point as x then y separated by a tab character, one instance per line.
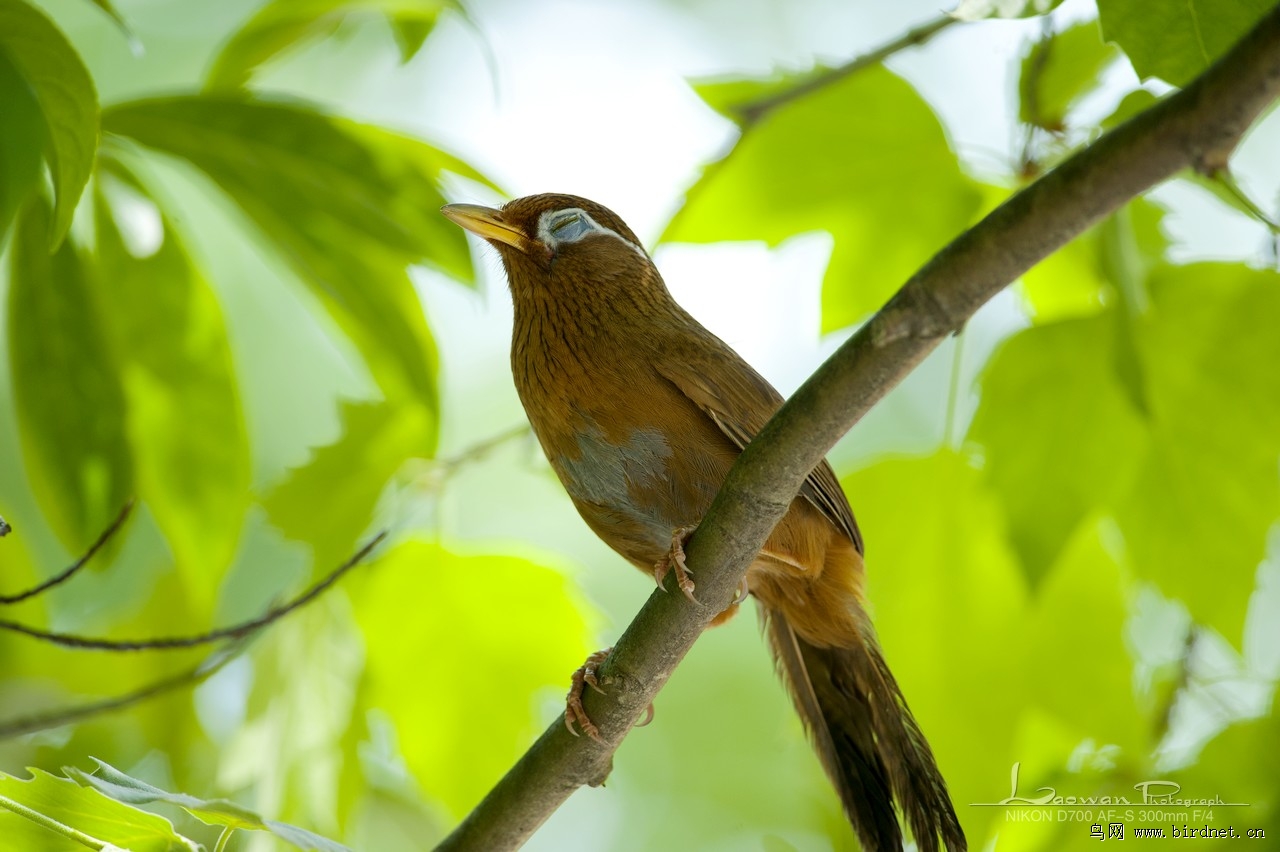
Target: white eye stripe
571	224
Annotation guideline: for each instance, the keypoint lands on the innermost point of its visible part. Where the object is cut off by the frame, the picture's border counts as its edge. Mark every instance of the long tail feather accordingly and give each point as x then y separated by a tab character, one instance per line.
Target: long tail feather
867	740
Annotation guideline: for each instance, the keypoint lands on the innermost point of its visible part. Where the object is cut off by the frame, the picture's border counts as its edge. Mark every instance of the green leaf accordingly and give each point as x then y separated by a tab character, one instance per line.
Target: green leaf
283	25
1059	432
124	788
1137	101
84	810
21	143
1177	41
411	33
68	102
1167	418
185	423
817	164
977	10
1239	765
1084	676
1059	71
950	606
421	597
330	500
350	206
1206	491
66	386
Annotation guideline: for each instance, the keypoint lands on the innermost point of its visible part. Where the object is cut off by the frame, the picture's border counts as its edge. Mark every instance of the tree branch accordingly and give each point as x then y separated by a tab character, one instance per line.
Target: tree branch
1197	127
170	643
752	111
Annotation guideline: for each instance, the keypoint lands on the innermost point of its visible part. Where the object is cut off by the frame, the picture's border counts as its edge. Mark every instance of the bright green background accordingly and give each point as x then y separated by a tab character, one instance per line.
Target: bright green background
228	293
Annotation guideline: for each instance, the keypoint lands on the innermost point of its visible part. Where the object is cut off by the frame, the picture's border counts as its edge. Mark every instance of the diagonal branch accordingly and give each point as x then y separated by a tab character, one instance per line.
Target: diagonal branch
1197	127
751	112
75	567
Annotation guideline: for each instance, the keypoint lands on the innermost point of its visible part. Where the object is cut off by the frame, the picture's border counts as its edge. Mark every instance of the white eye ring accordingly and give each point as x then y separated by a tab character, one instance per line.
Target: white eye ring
569	227
571	224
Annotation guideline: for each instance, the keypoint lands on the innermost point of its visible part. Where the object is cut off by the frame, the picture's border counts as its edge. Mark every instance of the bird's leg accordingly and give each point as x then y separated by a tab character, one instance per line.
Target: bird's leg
674	561
587	675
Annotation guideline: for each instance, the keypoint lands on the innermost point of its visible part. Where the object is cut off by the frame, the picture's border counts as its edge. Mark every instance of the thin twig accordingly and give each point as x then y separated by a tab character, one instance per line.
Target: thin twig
75	566
66	715
447	467
235	631
1197	127
1227	181
752	111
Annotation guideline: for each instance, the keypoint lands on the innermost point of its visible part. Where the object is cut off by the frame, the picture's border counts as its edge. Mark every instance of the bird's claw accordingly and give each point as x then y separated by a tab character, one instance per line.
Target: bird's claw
574	712
674	561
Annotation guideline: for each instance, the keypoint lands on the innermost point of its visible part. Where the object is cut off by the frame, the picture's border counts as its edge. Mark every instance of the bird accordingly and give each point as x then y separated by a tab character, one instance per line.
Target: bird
641	411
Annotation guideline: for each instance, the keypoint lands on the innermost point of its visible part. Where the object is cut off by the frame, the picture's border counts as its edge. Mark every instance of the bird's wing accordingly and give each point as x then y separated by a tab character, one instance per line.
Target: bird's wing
740	401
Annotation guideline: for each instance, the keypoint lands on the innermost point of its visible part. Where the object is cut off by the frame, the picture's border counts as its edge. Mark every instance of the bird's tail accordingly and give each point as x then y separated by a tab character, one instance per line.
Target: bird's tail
866	738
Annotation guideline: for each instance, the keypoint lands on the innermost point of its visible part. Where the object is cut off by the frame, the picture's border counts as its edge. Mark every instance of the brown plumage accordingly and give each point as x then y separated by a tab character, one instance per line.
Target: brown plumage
641	411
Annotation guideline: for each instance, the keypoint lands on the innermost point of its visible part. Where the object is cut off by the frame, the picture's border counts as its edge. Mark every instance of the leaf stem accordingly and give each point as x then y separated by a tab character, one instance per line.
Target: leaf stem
53	825
223	839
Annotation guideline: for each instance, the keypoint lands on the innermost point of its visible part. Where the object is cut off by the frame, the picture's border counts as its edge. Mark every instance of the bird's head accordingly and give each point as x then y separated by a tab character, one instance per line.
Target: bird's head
556	244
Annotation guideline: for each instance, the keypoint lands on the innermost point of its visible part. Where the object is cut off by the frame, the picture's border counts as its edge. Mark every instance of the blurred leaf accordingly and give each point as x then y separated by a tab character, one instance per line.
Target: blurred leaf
1068	284
1060	434
1137	101
459	648
350	206
330	500
977	10
66	387
819	164
67	99
1110	261
1177	41
21	143
1170	418
185	423
1059	71
1239	765
1206	491
1082	670
123	788
950	606
296	740
411	33
84	810
282	25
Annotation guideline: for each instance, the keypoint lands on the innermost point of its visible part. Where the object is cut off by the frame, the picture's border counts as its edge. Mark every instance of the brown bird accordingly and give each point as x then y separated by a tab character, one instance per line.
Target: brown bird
641	412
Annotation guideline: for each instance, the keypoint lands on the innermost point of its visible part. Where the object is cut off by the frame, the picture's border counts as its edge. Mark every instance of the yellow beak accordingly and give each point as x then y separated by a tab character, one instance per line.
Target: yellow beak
487	222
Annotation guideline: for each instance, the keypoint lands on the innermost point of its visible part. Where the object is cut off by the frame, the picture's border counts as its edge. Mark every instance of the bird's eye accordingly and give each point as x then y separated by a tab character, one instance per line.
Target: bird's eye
570	227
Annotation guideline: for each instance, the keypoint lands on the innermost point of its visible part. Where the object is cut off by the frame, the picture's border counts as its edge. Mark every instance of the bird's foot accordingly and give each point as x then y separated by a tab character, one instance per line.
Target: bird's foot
588	675
674	561
585	676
